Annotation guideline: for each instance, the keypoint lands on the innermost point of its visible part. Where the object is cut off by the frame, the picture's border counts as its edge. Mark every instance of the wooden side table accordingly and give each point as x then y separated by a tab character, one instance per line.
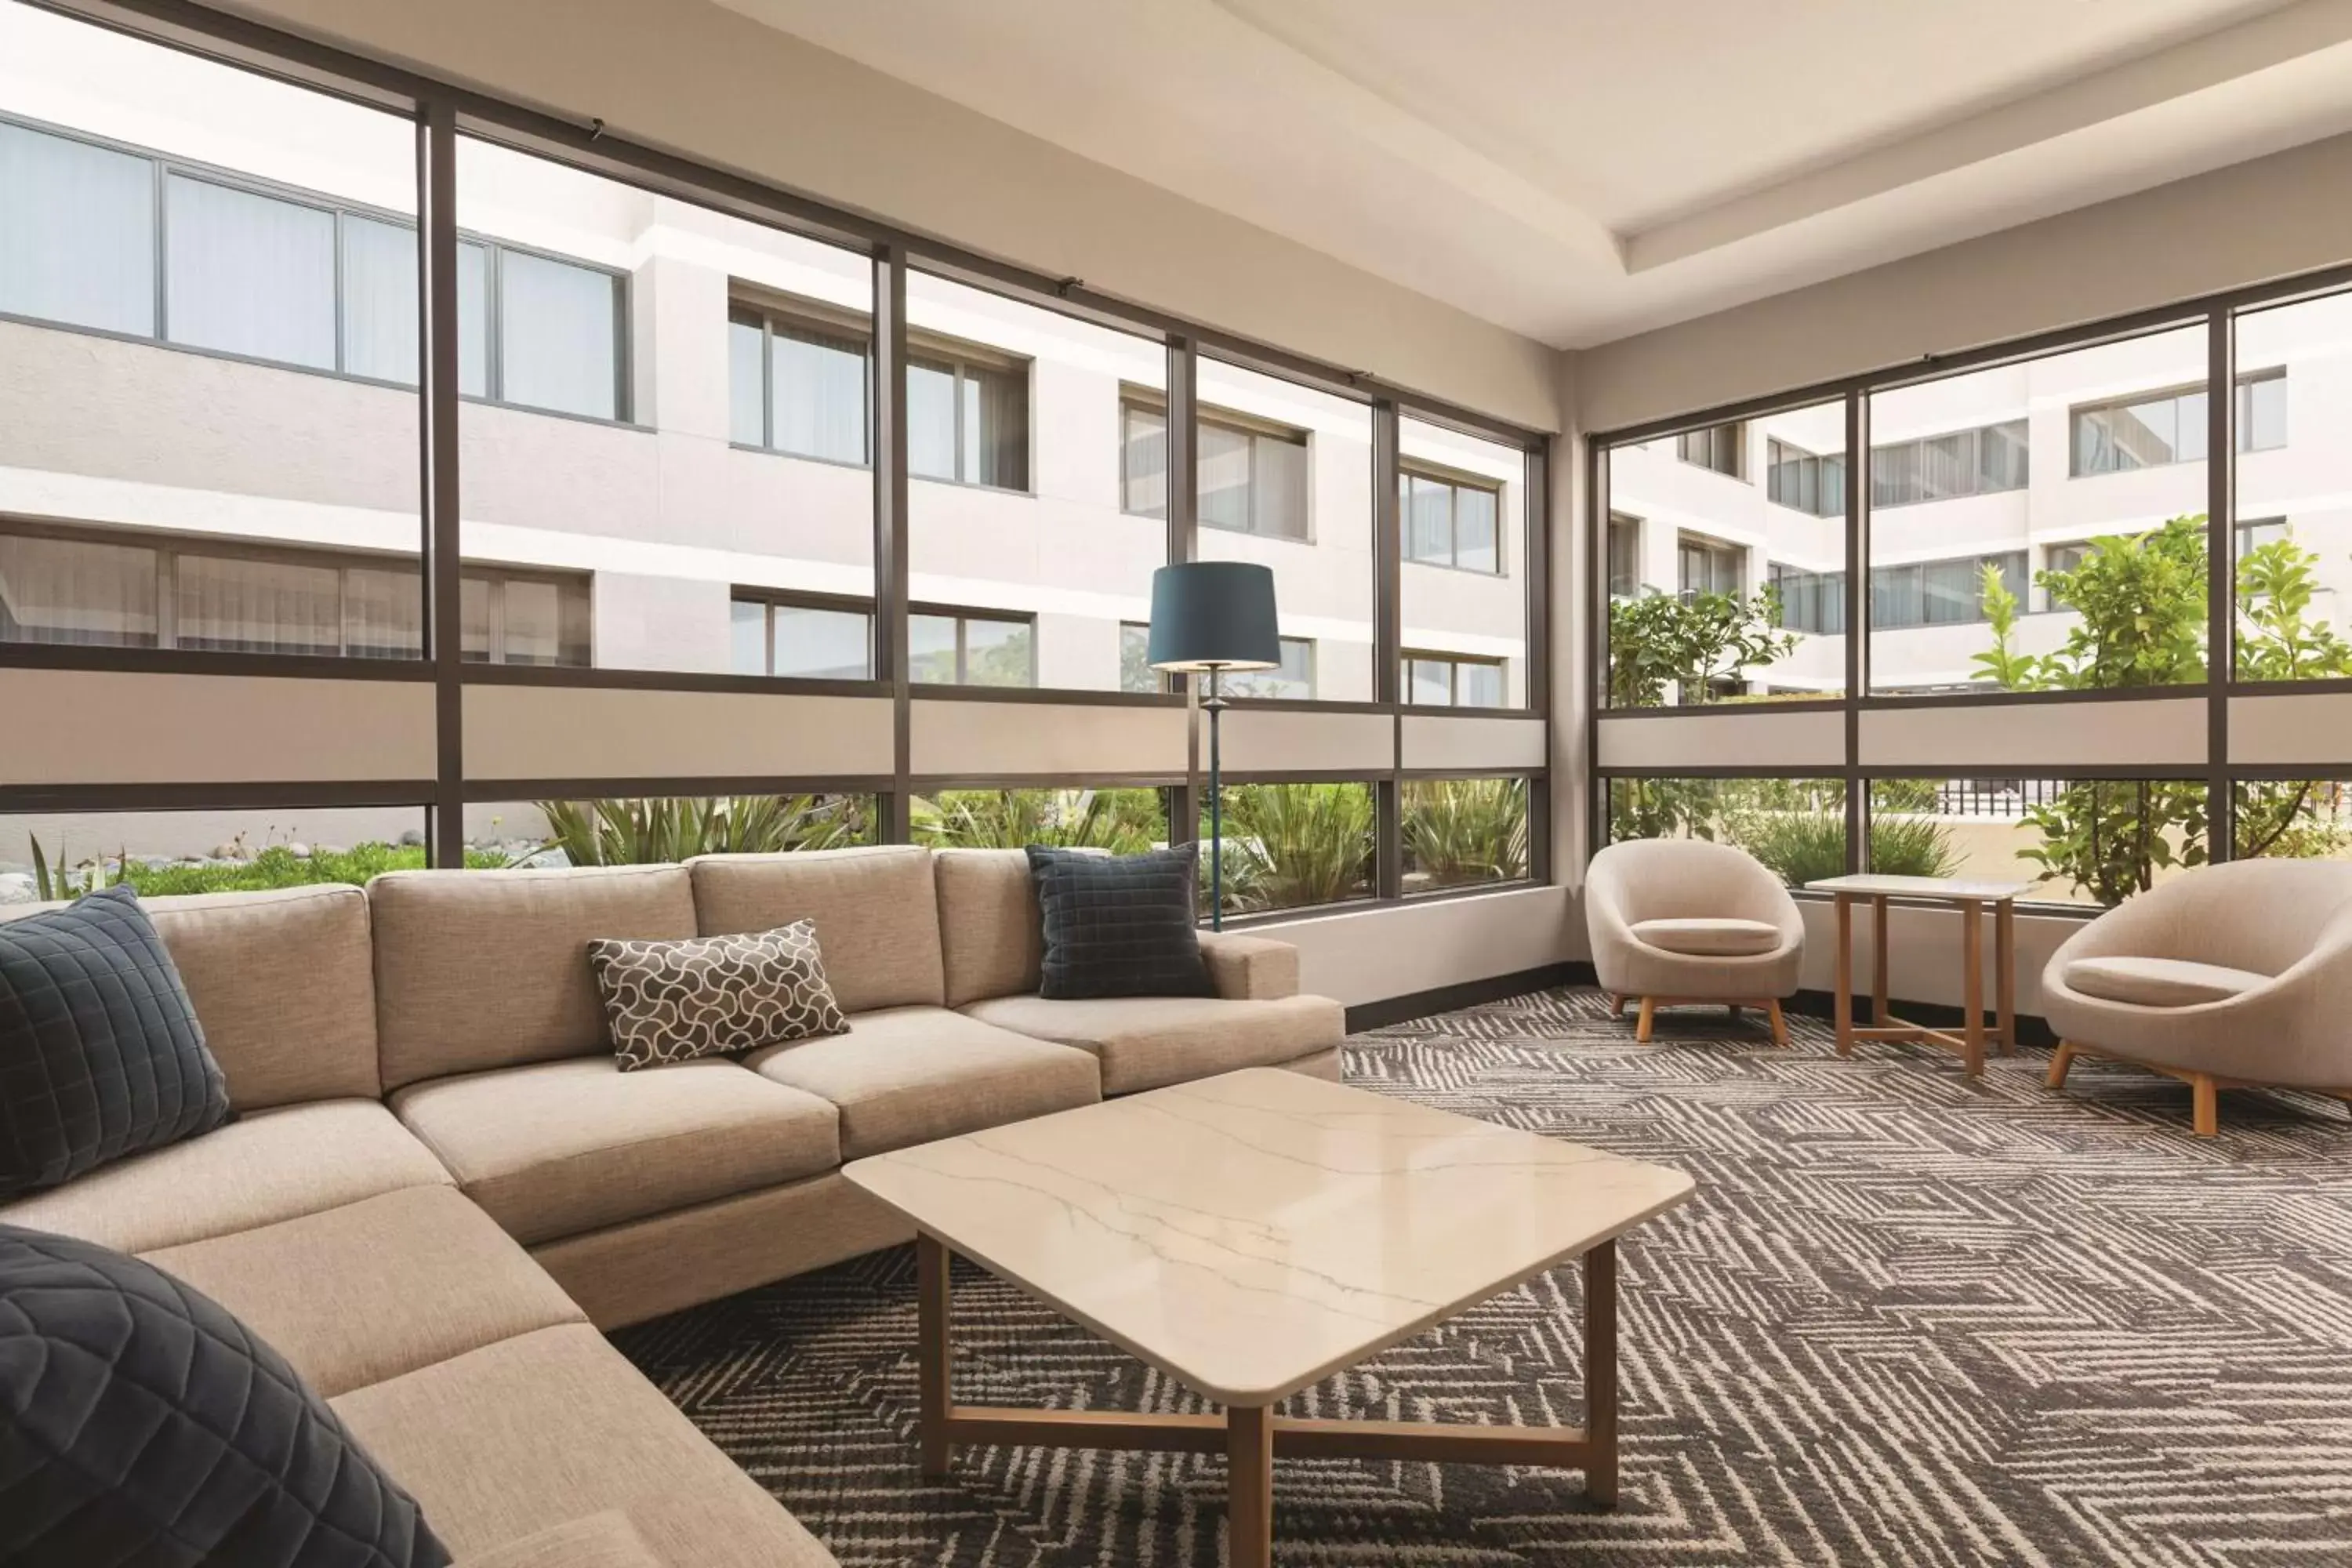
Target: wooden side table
1970	898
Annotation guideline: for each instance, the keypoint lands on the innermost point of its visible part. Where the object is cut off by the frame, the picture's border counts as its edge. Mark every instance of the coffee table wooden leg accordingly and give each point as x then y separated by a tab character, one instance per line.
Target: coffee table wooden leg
2004	966
1601	1374
933	1353
1249	1486
1972	985
1844	999
1878	963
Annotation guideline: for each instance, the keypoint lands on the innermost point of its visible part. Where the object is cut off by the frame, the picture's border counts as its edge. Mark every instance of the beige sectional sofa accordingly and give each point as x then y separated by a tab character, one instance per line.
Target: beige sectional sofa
440	1188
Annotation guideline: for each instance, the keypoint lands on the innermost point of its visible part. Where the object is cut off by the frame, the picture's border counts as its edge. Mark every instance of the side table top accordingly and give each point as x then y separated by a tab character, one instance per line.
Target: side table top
1958	889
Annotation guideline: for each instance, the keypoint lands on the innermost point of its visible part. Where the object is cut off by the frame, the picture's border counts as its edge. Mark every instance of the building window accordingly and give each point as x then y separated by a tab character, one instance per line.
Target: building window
1939	592
1719	446
798	385
1135	671
1253	476
2159	428
968	419
1985	460
325	604
1804	482
1706	565
1293	677
1450	521
808	639
1624	555
1453	680
1810	601
970	648
292	278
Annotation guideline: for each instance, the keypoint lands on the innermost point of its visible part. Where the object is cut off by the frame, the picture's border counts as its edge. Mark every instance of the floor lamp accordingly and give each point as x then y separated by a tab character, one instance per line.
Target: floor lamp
1207	617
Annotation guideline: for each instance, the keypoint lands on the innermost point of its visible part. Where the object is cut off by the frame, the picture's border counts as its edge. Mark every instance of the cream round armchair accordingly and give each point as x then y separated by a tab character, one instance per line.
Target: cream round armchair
2233	976
1676	920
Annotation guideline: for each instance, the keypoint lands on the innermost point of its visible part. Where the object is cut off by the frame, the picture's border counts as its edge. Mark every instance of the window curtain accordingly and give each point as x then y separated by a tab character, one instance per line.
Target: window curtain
73	591
249	274
1428	519
930	419
384	613
819	382
379	304
1144	445
1280	475
77	233
558	336
996	427
232	606
746	386
1476	545
1224	465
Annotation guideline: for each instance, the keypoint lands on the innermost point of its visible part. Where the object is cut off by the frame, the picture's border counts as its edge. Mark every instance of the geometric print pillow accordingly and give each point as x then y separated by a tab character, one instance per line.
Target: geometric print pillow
705	997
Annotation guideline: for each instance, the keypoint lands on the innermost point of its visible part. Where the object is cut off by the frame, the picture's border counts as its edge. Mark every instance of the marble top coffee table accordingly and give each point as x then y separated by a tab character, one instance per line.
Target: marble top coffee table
1250	1234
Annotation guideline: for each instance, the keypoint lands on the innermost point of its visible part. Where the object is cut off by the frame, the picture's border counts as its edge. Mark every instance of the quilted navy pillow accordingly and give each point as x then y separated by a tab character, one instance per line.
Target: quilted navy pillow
101	1054
1118	925
140	1423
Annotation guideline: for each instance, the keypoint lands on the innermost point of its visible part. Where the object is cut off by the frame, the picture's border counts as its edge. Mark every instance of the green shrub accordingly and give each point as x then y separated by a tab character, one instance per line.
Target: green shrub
1806	846
650	832
1459	831
1292	845
1123	821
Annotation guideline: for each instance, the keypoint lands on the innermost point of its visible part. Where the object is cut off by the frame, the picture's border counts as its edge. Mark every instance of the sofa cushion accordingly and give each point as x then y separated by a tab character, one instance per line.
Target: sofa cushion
101	1053
991	934
600	1541
2158	982
1118	925
141	1422
375	1289
488	969
712	995
529	1433
876	914
283	984
1709	938
910	1074
1143	1042
270	1166
557	1148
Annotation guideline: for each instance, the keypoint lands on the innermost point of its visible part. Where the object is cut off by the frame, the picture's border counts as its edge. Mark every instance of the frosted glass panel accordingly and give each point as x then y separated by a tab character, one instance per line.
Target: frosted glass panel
77	233
249	274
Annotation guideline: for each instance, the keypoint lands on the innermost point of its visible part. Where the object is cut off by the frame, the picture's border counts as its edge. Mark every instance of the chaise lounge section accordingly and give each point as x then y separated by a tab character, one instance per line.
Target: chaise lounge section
440	1186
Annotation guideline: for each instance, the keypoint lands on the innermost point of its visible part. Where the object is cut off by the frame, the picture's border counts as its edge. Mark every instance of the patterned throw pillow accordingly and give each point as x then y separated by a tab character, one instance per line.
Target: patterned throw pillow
1118	925
712	995
101	1054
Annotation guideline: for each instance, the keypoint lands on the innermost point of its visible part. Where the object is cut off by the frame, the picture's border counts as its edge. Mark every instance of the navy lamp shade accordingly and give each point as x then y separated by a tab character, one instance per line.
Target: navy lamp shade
1213	615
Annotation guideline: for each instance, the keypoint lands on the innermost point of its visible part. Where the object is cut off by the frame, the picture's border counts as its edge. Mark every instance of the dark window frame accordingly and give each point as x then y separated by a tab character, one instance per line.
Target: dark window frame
1455	483
2241	389
1454	663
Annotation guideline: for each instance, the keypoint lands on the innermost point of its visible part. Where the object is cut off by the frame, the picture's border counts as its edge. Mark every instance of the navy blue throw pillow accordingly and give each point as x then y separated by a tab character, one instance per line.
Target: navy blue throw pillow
140	1423
1118	925
101	1054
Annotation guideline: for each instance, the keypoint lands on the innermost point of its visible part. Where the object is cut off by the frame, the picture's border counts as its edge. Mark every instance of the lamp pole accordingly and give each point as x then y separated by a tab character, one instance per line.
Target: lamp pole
1215	705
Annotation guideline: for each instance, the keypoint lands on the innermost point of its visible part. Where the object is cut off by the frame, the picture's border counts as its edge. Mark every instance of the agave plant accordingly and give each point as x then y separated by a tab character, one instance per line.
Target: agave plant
57	884
1459	831
646	832
1123	821
1290	845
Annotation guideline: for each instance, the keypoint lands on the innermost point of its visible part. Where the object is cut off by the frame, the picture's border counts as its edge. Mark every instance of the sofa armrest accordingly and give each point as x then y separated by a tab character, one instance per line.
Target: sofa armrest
1250	968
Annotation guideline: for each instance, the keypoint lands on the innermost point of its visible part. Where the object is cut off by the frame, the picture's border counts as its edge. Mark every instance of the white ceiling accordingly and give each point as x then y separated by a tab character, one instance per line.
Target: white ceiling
1579	170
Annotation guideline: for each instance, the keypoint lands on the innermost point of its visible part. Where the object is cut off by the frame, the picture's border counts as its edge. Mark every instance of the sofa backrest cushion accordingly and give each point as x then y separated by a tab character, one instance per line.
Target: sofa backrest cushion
488	969
876	914
283	984
990	930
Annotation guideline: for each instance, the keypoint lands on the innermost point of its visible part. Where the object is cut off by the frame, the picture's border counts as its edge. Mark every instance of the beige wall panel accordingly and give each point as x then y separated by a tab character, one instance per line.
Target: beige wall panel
982	740
110	727
593	732
2315	728
1291	741
2164	733
1750	738
1451	741
1370	955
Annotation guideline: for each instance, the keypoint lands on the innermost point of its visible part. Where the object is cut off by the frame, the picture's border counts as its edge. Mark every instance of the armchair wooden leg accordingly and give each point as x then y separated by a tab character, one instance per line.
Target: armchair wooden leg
1732	1008
2061	1064
1649	1015
2206	1101
1616	1006
1779	1024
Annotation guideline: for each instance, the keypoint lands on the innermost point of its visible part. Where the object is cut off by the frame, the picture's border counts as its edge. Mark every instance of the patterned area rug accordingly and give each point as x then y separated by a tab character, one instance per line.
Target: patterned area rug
1908	1321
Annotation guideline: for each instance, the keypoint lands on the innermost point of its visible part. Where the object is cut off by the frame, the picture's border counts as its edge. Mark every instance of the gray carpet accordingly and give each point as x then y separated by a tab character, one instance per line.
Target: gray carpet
1906	1321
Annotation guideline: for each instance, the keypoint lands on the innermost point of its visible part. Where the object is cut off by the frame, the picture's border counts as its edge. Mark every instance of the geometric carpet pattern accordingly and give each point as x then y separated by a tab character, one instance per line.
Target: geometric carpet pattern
1906	1322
